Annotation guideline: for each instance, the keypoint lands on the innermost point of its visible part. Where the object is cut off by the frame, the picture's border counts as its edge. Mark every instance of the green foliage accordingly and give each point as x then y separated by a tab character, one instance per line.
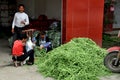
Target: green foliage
38	52
79	59
109	41
109	38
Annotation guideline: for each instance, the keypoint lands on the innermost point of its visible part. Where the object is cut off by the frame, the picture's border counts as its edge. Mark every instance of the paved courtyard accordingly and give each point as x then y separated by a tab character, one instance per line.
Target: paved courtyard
9	72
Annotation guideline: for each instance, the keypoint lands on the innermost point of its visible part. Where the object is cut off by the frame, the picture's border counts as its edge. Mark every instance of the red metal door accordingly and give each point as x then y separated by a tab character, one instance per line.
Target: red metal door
83	18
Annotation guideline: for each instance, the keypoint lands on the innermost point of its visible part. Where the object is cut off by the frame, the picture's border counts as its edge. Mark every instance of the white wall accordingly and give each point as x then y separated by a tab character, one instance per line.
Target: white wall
29	7
117	14
51	8
40	6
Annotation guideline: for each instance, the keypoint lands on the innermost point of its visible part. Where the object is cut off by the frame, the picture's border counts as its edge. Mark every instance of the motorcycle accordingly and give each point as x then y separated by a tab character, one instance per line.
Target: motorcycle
112	59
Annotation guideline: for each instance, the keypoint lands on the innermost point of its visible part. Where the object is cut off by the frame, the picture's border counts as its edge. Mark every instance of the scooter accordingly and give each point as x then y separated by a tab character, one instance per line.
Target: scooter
112	59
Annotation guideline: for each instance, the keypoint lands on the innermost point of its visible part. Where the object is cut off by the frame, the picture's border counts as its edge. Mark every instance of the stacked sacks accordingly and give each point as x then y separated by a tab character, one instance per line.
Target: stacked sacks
55	38
55	34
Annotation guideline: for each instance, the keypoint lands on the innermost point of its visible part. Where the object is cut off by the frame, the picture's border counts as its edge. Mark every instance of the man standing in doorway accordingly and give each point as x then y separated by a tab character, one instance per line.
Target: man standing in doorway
19	22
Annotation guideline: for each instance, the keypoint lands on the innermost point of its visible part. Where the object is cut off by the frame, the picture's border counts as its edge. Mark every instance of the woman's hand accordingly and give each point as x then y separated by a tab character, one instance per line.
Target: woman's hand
41	46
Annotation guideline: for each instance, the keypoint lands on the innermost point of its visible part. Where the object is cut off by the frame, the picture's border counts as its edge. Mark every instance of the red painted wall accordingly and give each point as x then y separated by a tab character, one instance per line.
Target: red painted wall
83	18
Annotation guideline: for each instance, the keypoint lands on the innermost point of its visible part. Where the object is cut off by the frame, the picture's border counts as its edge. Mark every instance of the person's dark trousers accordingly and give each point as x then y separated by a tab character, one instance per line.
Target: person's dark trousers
29	54
49	49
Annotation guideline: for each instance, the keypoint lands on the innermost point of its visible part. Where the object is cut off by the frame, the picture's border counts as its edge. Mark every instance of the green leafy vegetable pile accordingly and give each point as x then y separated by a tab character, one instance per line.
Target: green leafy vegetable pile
79	59
39	53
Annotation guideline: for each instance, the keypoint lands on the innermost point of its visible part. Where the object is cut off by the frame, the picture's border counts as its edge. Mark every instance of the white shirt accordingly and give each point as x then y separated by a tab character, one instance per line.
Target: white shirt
18	17
29	45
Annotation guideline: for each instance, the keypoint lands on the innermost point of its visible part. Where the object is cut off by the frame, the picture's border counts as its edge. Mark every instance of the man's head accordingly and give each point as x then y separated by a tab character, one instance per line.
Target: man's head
42	34
21	8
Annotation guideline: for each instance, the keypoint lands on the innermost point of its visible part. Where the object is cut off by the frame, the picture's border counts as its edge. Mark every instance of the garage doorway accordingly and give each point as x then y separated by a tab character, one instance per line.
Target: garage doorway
111	25
7	10
50	9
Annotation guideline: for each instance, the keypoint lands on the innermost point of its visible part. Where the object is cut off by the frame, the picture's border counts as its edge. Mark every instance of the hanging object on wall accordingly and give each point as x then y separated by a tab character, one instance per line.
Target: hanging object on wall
112	8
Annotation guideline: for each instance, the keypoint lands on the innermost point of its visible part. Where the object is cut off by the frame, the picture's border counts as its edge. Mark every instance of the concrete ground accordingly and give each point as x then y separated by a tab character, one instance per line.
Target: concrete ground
9	72
112	77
